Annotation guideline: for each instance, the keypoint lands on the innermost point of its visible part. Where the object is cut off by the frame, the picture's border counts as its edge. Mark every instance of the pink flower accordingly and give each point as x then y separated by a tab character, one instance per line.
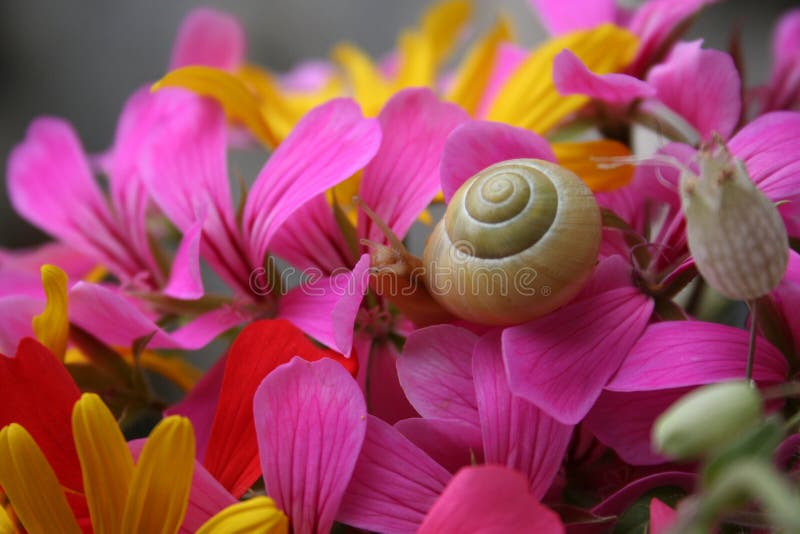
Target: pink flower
655	22
783	89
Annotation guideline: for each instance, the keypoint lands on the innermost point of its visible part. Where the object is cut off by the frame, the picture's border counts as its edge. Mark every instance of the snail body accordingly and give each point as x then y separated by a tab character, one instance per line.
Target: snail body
518	240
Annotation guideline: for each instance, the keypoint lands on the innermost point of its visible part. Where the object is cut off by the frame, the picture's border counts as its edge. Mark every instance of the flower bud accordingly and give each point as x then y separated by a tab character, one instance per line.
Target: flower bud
706	419
735	233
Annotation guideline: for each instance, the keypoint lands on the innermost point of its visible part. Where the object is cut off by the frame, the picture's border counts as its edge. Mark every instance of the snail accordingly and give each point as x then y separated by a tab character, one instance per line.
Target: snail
518	240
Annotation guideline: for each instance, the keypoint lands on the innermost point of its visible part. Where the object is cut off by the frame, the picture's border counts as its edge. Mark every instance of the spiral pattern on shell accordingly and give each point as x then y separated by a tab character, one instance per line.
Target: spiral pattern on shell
519	239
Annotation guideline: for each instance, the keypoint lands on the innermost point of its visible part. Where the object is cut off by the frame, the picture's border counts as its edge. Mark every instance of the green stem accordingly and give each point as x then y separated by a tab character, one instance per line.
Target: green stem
751	351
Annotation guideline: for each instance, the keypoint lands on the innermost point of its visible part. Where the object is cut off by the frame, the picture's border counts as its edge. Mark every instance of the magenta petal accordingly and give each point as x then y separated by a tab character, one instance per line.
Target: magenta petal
48	177
200	405
404	176
435	371
311	239
787	297
620	501
562	361
489	498
561	17
385	396
206	496
662	517
767	145
784	85
211	38
702	86
185	281
114	320
326	147
16	314
326	307
453	444
310	420
655	23
394	483
687	353
572	77
185	170
624	421
516	433
475	145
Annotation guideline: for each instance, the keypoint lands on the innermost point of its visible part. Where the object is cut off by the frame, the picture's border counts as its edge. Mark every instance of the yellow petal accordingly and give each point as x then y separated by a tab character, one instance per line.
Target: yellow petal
258	515
443	23
239	102
579	158
529	98
51	327
473	73
6	526
417	64
369	87
162	478
277	114
31	485
106	462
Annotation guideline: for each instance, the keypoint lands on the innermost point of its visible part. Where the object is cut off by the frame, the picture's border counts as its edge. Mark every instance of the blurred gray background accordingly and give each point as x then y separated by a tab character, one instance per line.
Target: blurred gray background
80	60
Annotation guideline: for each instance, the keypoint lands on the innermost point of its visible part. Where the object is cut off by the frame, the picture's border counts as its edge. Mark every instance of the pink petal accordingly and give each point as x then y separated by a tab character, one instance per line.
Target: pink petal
784	84
185	170
572	77
490	499
16	314
687	353
48	177
702	86
515	432
404	176
656	24
508	58
385	397
206	496
325	148
200	405
767	146
787	297
114	320
310	75
451	443
185	281
211	38
326	307
475	145
620	501
562	17
310	419
562	361
311	239
624	421
20	268
435	371
662	517
394	483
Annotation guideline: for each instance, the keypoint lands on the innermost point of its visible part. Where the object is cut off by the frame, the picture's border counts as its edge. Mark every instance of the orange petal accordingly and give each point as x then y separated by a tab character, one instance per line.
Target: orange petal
580	159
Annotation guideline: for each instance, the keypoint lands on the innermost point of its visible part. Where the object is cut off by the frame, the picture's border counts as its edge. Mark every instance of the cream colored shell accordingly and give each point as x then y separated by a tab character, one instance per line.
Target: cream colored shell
519	239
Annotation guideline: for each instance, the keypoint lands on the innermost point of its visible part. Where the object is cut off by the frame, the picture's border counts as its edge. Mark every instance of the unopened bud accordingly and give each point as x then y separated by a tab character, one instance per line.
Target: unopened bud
707	418
735	233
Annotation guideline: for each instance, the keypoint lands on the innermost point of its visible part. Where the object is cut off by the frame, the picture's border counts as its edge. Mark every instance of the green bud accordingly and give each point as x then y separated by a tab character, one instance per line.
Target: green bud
735	233
706	419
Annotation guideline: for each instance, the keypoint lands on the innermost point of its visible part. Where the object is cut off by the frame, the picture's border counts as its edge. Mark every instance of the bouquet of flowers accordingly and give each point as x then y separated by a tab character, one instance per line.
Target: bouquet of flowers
598	335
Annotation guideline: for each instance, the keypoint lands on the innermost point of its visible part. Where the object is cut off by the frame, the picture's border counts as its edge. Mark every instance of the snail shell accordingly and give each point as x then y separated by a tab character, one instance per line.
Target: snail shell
518	240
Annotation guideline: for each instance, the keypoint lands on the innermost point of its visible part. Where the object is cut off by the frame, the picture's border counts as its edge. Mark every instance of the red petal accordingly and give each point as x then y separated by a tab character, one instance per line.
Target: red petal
232	454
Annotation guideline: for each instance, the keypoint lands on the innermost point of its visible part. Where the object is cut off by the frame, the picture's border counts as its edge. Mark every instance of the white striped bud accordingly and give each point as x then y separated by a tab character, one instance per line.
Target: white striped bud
735	233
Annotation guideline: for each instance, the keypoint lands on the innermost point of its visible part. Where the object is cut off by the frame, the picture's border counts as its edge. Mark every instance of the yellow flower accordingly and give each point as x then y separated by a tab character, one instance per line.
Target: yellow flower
150	496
